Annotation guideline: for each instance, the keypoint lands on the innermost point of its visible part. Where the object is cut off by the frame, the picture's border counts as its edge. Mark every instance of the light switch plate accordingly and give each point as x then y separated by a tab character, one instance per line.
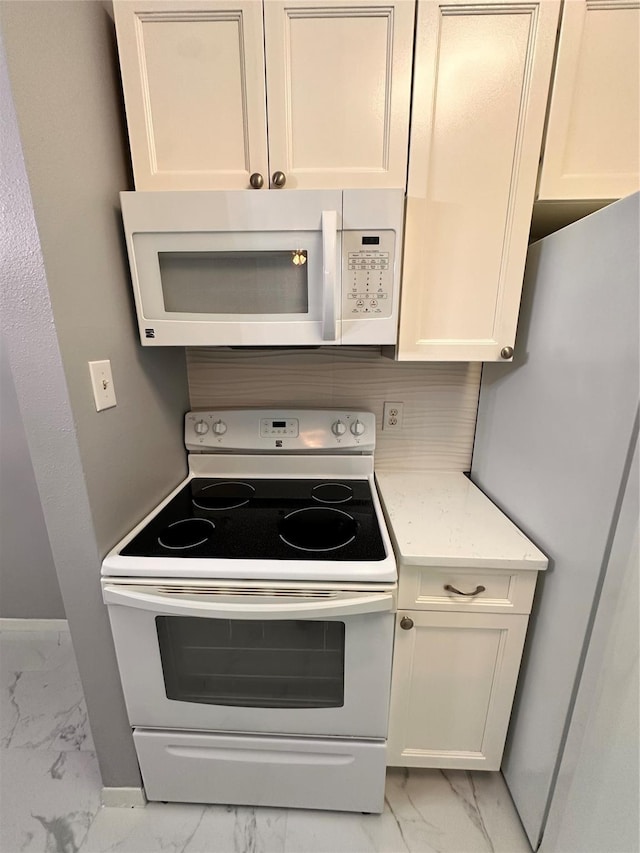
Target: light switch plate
102	383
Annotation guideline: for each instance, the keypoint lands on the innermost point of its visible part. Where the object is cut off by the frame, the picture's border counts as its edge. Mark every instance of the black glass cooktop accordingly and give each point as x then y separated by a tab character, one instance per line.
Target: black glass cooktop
265	520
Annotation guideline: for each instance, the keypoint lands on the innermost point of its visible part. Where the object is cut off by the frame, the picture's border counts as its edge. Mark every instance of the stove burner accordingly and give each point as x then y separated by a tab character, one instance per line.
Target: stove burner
332	493
228	495
186	533
318	528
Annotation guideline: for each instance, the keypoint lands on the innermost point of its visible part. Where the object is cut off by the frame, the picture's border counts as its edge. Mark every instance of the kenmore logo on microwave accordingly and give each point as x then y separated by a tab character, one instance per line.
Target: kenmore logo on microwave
149	333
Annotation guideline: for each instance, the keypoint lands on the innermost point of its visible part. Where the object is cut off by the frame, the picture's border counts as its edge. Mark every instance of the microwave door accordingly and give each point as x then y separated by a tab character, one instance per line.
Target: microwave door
239	288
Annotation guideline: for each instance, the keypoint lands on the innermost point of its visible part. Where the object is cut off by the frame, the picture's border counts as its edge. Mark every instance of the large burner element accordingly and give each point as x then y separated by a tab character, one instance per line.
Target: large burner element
186	533
229	494
318	529
332	493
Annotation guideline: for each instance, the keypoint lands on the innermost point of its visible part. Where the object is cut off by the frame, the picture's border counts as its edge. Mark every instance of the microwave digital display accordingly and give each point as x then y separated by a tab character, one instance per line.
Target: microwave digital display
370	241
278	424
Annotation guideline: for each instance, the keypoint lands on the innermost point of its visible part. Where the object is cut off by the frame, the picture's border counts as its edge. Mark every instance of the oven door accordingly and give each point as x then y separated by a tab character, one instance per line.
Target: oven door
310	662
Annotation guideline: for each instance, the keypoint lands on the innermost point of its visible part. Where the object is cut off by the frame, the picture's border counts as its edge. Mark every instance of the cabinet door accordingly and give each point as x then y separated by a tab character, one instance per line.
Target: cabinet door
481	80
193	79
454	676
592	144
338	91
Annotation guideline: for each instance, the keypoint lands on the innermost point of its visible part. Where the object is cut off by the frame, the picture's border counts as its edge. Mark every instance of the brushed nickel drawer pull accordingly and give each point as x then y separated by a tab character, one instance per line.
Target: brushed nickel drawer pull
477	590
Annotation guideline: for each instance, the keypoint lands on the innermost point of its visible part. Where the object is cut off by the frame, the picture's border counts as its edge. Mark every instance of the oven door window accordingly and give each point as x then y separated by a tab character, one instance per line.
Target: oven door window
246	282
253	663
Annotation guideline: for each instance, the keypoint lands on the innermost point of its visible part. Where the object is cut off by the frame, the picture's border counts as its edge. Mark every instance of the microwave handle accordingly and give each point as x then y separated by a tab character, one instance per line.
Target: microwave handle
330	276
161	603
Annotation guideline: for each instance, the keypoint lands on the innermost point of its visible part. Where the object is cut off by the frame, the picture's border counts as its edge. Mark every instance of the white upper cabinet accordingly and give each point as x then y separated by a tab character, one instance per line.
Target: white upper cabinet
338	91
592	149
481	81
338	76
193	80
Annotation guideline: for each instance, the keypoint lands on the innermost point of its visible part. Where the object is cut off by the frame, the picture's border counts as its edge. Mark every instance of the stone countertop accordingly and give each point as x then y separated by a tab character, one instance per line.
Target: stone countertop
441	519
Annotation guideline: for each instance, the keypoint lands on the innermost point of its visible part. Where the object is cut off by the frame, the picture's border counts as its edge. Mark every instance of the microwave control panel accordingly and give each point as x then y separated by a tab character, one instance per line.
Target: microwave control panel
367	273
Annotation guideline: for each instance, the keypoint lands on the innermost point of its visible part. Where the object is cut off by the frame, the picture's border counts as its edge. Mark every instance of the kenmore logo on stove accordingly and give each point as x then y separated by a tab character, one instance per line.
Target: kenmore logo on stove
278	442
149	333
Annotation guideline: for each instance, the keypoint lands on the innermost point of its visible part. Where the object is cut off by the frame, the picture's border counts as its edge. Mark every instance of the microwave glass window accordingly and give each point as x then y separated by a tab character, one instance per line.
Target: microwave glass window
253	663
251	282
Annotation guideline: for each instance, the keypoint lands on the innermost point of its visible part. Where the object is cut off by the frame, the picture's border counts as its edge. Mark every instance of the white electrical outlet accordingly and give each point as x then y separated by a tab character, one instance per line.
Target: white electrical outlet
392	416
102	383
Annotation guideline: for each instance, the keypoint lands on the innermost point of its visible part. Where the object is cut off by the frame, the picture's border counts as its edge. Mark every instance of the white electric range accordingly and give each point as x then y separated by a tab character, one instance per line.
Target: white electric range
253	615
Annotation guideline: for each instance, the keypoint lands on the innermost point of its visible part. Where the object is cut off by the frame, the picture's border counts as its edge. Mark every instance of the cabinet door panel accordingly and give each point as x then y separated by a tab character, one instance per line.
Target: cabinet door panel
335	119
481	79
193	78
592	144
454	676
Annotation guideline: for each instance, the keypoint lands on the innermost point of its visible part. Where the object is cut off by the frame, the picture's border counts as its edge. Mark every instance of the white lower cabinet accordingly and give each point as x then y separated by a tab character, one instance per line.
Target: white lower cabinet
454	678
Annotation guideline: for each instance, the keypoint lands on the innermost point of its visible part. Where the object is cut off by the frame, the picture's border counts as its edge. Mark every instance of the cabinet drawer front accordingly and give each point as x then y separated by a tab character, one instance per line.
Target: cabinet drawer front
479	590
262	771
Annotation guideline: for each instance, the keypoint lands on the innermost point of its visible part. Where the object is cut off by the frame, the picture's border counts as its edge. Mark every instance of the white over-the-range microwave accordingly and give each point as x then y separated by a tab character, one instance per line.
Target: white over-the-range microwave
275	268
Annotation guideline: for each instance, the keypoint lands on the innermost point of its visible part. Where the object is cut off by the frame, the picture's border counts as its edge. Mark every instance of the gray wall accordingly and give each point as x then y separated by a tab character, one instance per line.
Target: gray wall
66	300
28	583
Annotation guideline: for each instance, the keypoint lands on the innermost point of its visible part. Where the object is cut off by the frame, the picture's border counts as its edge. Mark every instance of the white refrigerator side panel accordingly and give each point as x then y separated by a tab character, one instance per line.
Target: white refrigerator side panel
595	803
553	434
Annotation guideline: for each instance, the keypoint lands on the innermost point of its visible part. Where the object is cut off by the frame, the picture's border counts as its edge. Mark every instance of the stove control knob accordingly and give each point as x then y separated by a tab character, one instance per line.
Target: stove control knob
338	428
201	427
219	427
357	427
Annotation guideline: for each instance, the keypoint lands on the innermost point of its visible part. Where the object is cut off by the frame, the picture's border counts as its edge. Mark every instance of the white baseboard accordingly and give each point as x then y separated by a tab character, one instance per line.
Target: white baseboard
34	625
123	798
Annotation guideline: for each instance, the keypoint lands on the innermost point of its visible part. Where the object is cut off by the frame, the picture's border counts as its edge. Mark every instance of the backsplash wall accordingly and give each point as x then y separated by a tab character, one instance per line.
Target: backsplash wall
440	399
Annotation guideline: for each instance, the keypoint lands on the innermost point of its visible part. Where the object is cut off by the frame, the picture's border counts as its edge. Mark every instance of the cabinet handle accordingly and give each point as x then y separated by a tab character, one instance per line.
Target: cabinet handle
477	590
406	622
506	352
257	181
278	179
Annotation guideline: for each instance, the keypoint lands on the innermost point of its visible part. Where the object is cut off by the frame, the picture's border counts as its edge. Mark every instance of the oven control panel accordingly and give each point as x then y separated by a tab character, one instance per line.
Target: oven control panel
280	431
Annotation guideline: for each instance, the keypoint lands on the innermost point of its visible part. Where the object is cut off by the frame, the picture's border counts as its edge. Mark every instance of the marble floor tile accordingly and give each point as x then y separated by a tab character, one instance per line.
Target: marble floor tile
45	708
27	651
454	810
180	828
47	799
341	832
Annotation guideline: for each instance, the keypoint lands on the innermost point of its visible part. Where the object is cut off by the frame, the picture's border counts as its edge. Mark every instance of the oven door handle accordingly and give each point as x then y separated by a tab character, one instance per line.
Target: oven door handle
329	275
208	607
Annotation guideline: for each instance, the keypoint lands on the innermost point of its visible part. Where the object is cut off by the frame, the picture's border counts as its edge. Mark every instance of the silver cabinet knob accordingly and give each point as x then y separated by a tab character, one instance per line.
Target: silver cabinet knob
407	623
506	352
219	427
338	428
278	179
201	427
357	427
257	181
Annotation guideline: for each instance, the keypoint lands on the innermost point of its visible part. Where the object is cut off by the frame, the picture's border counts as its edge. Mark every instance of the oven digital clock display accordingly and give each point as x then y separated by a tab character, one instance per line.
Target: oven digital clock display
287	428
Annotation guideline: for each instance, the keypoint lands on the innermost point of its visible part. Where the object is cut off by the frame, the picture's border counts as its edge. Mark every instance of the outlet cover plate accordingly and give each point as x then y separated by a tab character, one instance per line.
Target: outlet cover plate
392	417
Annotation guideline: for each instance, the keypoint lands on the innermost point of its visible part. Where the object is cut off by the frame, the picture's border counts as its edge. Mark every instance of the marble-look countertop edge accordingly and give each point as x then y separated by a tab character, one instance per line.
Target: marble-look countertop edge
415	554
432	562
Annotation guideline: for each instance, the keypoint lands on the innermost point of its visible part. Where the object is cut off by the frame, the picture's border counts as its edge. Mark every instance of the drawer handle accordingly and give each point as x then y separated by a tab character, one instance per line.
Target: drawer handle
476	591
